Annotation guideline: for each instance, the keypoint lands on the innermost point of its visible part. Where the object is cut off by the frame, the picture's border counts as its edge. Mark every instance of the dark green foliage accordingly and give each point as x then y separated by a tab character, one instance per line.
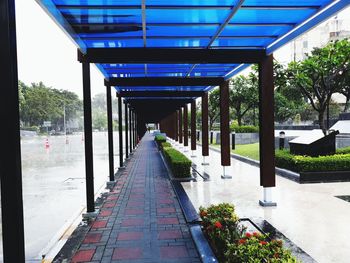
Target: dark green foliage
180	165
344	150
298	163
159	139
243	129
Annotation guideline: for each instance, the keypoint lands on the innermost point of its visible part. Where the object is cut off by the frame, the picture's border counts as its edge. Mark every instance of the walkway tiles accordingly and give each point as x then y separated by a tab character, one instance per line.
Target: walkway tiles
141	219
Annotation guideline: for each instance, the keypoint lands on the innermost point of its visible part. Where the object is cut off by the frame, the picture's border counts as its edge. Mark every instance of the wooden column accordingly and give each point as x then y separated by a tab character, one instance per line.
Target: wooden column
225	125
89	168
185	125
120	129
110	133
176	126
130	131
10	153
193	125
126	130
266	123
180	125
205	139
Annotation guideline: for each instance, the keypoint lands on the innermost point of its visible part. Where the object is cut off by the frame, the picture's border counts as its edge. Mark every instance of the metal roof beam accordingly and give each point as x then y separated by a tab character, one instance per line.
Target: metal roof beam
165	94
171	55
163	81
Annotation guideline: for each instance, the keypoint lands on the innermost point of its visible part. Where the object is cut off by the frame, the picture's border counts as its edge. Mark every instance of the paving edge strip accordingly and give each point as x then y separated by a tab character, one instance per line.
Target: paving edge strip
204	250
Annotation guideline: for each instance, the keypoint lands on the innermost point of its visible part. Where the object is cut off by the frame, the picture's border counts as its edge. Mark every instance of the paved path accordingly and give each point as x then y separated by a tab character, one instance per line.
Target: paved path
141	220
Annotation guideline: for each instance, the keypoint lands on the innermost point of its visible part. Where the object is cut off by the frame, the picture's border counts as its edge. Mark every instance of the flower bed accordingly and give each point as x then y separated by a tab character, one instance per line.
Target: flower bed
231	243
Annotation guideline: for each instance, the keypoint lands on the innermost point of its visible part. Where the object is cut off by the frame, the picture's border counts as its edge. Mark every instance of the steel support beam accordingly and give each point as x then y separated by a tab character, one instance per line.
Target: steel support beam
185	125
126	130
266	123
205	139
89	168
161	94
193	125
120	129
165	81
180	126
225	125
110	133
10	155
171	55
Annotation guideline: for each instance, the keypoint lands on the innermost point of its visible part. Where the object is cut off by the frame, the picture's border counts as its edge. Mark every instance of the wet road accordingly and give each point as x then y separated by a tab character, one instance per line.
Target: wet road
54	184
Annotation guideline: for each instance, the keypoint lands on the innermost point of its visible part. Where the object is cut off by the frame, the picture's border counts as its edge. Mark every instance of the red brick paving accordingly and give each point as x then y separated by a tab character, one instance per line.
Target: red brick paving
169	234
144	215
168	221
130	236
127	253
92	238
83	256
173	252
99	224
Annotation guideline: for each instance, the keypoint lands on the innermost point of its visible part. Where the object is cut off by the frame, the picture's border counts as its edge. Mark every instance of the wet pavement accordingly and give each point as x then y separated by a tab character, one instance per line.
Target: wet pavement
54	186
141	220
310	215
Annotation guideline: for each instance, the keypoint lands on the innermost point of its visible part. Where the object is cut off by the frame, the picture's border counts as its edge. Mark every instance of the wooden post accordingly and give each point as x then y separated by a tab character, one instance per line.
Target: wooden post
225	128
176	126
193	125
180	125
266	129
110	133
205	139
120	129
185	125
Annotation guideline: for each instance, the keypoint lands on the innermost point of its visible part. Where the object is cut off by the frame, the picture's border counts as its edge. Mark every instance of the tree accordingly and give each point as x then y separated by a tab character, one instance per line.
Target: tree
322	74
243	96
345	90
213	107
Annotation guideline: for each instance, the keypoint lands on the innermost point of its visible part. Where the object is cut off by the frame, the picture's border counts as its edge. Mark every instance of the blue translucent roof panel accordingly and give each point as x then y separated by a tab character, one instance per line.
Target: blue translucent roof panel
248	24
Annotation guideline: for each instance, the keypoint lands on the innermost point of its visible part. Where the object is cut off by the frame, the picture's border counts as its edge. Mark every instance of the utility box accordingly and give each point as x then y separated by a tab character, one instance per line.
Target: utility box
314	144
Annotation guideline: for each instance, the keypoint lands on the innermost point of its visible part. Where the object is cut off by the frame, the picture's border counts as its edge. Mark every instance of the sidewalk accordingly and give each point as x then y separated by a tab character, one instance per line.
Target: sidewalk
308	214
141	221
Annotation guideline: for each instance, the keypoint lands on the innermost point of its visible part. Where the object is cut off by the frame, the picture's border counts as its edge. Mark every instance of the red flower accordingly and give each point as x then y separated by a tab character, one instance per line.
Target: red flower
248	235
263	242
256	234
218	224
203	213
241	241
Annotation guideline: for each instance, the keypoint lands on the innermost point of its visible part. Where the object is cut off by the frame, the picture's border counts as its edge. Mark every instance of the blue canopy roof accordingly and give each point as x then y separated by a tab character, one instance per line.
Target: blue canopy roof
202	24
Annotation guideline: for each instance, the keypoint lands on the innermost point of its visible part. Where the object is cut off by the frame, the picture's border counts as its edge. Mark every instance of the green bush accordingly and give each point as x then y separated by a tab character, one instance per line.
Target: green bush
160	138
220	226
256	248
31	128
298	163
165	144
244	128
344	150
180	165
232	244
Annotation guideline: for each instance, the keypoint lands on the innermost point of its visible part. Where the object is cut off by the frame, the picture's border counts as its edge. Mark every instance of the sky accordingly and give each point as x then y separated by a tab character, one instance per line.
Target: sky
46	53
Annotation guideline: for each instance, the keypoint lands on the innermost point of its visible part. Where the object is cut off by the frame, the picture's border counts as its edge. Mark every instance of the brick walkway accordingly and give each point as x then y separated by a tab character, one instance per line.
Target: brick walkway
141	220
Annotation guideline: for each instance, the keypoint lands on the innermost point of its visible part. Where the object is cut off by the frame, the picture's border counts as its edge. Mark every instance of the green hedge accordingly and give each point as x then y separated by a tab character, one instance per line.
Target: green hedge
243	129
298	163
180	165
344	150
160	138
165	144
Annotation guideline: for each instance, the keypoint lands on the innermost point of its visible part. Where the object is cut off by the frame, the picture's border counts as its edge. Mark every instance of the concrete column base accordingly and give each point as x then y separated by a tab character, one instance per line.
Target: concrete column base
204	162
121	168
224	175
267	198
90	215
110	183
193	155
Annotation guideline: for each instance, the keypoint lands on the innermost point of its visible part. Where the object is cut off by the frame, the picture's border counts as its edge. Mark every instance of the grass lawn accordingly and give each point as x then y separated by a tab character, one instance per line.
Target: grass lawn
247	150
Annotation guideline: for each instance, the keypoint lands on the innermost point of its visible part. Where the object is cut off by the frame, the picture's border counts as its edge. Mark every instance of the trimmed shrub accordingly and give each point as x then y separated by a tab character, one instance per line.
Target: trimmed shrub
180	165
165	144
160	138
344	150
298	163
244	128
